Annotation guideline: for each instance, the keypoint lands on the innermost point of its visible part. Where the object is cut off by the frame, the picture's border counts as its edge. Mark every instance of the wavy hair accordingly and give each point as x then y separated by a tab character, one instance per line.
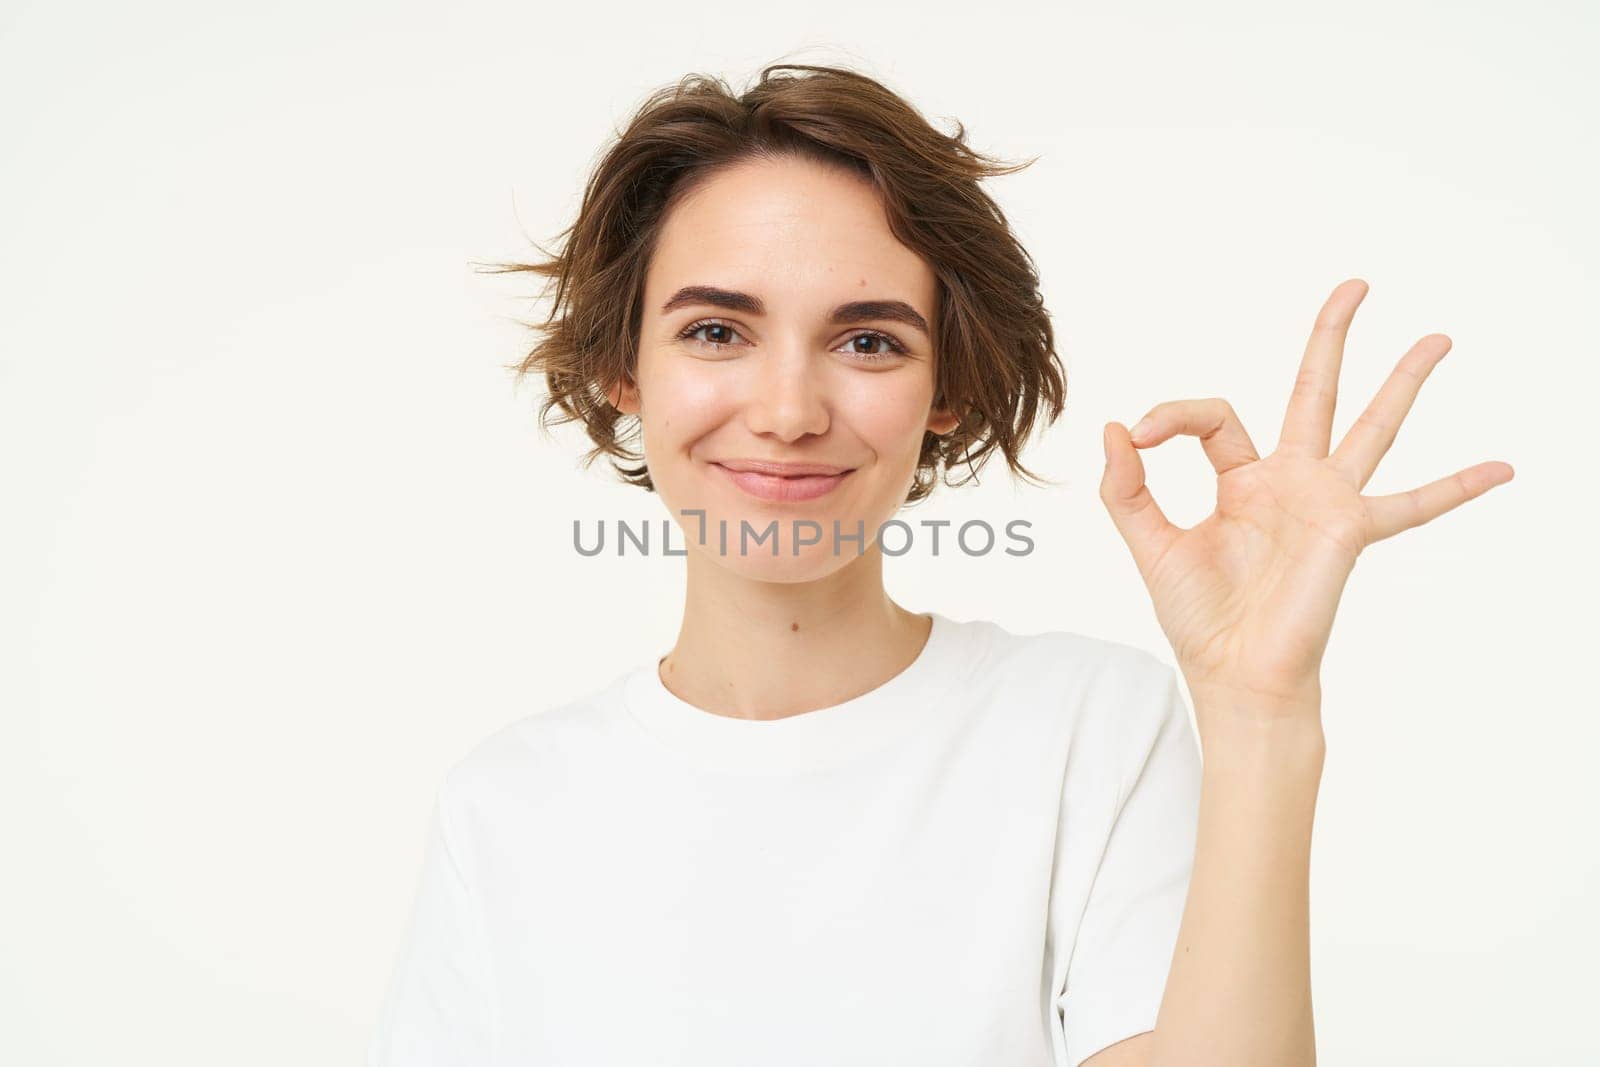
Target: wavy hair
995	363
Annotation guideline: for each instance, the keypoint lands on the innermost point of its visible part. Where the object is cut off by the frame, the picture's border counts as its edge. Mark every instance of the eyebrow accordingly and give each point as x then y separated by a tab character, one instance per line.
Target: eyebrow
843	315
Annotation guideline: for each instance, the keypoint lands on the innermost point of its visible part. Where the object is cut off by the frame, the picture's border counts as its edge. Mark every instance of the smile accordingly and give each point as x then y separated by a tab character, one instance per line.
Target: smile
782	489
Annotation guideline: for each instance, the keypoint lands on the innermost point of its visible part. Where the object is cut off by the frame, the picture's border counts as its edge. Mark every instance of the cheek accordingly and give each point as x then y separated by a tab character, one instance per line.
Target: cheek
682	403
892	417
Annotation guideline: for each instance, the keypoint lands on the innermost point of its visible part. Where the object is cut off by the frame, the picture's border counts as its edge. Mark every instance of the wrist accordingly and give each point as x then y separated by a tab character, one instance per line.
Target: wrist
1255	729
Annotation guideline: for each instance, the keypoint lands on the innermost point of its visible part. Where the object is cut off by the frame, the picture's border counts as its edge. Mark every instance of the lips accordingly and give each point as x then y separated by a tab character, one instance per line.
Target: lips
796	482
781	468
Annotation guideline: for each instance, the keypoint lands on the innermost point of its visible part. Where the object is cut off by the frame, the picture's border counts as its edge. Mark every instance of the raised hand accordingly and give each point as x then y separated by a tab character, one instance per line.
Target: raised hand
1247	596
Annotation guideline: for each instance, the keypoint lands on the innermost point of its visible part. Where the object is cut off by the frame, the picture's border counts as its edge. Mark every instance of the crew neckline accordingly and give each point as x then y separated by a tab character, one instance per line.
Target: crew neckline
810	740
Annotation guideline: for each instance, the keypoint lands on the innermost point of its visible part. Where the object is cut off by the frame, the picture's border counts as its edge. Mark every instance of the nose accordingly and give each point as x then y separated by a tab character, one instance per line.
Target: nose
788	397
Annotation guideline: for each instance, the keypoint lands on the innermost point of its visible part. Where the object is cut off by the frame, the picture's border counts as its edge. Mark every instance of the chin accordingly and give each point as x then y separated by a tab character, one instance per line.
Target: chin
814	562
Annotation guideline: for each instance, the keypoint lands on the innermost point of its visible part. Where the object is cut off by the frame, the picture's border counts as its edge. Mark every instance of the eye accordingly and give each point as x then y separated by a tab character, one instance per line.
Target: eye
709	324
894	347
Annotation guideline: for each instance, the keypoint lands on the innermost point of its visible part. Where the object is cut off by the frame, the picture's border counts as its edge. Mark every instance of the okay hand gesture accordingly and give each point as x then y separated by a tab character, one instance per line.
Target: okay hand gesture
1247	596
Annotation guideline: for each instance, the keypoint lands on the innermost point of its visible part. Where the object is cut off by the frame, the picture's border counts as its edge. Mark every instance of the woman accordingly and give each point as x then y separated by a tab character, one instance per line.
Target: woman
822	827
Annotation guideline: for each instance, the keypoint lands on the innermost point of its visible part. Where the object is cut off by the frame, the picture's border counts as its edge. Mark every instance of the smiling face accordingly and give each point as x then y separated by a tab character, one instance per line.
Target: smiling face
783	323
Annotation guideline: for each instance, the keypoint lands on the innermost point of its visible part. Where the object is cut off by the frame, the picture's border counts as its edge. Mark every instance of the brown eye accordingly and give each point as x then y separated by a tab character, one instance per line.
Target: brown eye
722	328
892	347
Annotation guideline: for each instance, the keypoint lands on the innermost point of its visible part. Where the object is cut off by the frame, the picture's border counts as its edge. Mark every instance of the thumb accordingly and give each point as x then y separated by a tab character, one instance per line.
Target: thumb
1134	511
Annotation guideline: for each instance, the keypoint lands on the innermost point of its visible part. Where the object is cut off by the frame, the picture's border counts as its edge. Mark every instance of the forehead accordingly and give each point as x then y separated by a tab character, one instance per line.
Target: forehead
794	232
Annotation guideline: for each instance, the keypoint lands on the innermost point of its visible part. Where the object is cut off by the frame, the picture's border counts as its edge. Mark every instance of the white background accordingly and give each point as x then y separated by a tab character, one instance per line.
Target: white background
281	543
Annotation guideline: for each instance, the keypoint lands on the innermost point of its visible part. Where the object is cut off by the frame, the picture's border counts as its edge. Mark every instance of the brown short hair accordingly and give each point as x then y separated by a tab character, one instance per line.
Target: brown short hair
995	359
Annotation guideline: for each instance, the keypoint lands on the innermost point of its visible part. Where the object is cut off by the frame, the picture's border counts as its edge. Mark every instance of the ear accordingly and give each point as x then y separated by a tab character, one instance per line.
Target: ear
624	396
941	421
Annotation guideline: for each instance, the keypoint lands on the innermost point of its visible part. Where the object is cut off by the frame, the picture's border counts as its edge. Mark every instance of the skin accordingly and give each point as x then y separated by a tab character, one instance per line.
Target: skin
1246	597
767	636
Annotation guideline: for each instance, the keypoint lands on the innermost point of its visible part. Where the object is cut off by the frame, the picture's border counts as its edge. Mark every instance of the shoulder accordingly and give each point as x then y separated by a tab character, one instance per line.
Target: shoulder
1079	667
1108	701
533	753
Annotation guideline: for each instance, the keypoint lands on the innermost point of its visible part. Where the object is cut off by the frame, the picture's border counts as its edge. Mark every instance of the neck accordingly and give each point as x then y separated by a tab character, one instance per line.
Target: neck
754	649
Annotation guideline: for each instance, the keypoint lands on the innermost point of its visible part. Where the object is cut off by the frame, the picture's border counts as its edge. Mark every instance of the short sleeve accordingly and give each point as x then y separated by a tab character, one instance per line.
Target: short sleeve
439	1008
1128	932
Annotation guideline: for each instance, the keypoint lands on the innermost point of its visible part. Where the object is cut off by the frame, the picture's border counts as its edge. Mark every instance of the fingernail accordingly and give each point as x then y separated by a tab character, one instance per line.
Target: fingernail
1140	428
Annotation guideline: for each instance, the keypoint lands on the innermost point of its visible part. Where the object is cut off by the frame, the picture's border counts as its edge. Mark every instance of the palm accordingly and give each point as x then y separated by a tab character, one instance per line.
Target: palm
1254	583
1247	596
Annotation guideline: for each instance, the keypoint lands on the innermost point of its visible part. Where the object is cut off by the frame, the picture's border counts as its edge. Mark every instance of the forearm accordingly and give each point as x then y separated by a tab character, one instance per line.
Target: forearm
1239	989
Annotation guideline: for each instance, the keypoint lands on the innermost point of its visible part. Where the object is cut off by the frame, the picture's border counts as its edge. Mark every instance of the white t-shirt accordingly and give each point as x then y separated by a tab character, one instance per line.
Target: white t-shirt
982	861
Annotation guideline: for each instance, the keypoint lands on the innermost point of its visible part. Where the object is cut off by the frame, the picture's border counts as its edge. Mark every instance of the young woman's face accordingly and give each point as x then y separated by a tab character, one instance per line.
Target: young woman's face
783	323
